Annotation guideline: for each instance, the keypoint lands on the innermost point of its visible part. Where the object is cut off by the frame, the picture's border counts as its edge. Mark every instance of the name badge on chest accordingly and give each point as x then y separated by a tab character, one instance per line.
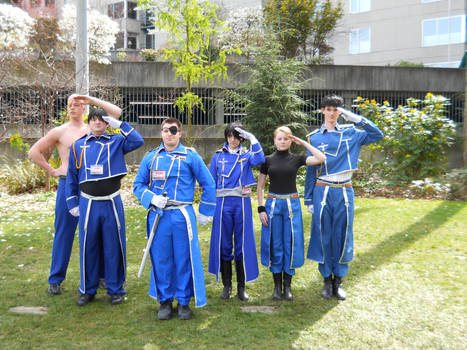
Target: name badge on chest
158	174
97	169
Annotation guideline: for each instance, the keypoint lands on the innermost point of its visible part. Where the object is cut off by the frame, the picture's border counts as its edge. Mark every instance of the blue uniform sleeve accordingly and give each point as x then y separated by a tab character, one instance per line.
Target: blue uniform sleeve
141	184
72	181
371	134
207	204
310	180
257	155
133	139
213	167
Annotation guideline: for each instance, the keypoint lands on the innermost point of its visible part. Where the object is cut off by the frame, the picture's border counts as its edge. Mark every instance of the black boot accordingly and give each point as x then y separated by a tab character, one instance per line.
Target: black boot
337	288
276	294
241	292
226	273
326	292
287	287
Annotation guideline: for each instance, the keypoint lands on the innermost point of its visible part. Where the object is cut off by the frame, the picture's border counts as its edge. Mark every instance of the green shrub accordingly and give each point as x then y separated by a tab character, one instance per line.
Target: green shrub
24	176
416	136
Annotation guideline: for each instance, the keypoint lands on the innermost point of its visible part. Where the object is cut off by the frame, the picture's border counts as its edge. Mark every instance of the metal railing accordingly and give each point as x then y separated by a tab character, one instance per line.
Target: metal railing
148	106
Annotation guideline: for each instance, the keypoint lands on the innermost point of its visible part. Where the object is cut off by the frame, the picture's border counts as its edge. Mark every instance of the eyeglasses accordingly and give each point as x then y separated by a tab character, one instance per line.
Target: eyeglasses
173	130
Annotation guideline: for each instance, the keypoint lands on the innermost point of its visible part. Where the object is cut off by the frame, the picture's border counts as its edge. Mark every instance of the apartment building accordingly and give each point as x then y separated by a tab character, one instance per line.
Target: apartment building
385	32
137	31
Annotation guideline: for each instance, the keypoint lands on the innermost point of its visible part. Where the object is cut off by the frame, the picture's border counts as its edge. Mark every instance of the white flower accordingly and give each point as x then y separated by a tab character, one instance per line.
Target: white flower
15	27
102	31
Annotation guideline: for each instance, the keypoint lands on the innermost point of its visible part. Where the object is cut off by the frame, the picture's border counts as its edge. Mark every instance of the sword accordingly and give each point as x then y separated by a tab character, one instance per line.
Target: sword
150	239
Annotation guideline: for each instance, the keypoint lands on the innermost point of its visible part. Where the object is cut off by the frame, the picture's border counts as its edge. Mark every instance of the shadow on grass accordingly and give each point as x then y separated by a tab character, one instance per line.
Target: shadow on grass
308	308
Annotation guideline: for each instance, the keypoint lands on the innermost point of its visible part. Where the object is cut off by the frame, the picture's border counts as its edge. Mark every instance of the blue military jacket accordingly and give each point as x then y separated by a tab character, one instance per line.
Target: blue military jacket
233	170
176	173
98	158
341	147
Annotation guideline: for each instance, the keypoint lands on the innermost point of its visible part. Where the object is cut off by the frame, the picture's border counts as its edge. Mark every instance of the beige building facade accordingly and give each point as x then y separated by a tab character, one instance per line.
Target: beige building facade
386	32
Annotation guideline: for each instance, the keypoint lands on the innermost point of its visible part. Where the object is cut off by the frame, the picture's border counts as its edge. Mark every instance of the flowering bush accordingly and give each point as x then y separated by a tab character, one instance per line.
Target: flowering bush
150	55
415	136
244	30
15	27
102	31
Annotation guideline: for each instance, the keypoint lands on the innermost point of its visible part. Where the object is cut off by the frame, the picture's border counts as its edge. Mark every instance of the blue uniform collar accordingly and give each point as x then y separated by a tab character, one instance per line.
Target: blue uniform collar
179	149
225	148
322	130
104	135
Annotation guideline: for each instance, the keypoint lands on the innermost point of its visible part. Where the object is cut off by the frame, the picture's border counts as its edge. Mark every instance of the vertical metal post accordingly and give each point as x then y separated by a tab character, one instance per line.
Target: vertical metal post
82	48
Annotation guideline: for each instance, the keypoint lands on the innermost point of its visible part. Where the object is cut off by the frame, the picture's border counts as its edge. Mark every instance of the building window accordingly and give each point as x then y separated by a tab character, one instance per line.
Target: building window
115	10
131	42
131	11
360	6
150	41
119	41
453	64
360	40
443	31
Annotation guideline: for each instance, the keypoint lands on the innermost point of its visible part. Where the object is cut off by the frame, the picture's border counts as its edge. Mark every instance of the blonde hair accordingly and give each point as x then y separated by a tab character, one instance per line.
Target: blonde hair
70	99
284	129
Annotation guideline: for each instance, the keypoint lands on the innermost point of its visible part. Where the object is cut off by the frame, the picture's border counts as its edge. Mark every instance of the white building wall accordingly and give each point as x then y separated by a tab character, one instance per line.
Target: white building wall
396	32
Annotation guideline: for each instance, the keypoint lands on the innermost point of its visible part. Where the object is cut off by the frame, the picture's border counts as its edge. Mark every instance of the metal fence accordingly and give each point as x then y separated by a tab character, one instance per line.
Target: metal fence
148	106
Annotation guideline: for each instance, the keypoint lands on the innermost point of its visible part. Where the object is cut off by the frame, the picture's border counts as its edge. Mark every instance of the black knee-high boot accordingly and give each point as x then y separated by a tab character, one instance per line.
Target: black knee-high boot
241	291
226	273
287	287
276	294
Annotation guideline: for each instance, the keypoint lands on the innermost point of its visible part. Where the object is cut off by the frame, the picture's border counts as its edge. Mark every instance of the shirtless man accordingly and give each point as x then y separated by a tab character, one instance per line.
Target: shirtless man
63	137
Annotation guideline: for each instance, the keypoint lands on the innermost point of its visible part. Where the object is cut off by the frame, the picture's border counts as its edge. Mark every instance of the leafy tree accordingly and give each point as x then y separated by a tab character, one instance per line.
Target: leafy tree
303	26
271	94
45	36
191	25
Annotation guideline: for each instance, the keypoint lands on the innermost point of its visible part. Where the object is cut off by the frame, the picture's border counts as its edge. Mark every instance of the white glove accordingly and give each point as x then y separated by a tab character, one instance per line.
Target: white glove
74	211
114	123
246	135
348	115
159	201
311	209
203	219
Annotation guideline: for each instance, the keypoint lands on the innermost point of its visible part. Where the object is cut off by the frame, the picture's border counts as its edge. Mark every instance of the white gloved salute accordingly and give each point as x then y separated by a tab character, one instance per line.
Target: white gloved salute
159	201
114	123
311	210
246	135
74	211
203	219
350	116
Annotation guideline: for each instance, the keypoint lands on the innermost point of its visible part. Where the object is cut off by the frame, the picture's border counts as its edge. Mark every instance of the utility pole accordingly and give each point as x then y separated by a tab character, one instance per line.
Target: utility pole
82	48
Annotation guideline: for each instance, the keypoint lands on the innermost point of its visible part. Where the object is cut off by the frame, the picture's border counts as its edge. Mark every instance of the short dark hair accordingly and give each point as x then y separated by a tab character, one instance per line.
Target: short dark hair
332	101
172	121
230	129
96	113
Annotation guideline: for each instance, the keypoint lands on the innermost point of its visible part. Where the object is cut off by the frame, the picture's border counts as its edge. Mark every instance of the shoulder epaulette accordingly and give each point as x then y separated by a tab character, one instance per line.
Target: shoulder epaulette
346	125
191	149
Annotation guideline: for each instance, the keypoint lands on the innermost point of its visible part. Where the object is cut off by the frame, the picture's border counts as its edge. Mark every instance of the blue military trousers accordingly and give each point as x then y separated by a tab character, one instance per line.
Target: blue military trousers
65	227
102	233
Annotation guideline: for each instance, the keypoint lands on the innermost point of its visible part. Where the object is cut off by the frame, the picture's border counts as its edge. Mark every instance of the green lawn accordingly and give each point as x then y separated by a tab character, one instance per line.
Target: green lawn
406	290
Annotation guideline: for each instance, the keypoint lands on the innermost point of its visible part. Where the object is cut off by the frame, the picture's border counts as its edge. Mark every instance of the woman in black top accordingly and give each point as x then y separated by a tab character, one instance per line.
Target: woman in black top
282	243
